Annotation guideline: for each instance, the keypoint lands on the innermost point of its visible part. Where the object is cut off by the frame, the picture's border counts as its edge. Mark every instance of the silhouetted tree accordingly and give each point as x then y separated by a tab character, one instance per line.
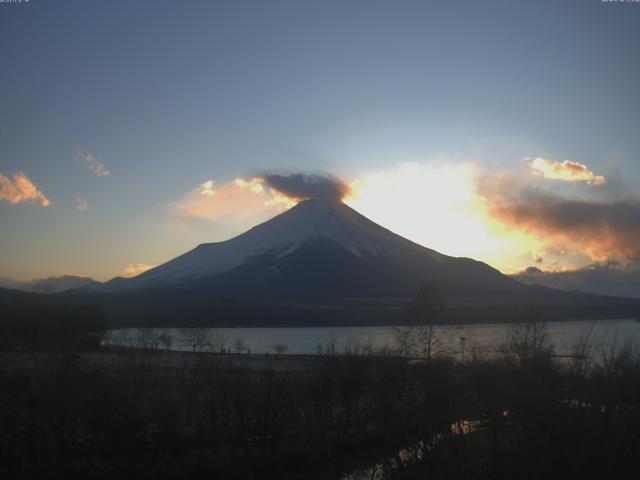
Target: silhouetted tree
165	339
279	348
239	345
425	311
196	337
528	340
404	339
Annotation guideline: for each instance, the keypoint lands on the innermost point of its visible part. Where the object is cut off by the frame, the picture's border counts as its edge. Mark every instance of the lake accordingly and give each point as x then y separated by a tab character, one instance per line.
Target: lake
308	340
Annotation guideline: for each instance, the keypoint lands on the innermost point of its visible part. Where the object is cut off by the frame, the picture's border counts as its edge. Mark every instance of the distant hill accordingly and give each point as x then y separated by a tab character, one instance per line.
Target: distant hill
57	284
610	278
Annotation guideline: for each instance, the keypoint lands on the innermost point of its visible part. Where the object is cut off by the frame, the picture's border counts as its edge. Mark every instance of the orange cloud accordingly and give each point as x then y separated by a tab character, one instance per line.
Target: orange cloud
243	202
21	190
566	171
570	228
134	269
604	230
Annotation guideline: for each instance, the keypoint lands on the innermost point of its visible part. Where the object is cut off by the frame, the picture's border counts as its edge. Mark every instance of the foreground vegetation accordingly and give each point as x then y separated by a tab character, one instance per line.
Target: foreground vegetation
151	413
70	408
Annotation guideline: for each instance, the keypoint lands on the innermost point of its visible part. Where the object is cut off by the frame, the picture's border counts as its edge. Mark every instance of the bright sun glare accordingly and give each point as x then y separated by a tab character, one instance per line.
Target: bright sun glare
437	206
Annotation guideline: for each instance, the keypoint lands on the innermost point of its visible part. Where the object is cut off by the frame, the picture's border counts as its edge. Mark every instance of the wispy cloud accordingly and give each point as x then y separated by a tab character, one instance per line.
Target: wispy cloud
566	171
133	269
81	205
21	190
94	165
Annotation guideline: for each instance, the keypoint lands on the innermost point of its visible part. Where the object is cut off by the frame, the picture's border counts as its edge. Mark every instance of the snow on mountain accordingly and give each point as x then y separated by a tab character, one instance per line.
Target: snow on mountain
282	235
322	263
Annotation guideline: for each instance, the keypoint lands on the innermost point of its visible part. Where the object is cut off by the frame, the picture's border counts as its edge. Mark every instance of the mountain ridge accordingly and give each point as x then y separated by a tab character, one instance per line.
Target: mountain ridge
50	285
323	263
281	236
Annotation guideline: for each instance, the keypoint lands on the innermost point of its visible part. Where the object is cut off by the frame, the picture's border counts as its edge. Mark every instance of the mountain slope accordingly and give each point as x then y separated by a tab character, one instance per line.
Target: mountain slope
320	244
322	263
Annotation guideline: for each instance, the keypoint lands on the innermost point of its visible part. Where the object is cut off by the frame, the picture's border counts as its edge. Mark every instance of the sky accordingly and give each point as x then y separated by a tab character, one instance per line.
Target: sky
130	132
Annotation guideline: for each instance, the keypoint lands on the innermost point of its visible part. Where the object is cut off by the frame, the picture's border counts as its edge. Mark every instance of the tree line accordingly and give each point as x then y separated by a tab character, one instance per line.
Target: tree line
44	322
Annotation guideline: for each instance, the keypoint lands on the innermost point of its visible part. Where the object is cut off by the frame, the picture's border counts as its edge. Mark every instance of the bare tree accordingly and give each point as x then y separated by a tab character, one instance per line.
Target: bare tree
327	348
166	340
279	348
404	339
147	338
424	311
528	340
239	345
614	355
196	337
355	346
216	341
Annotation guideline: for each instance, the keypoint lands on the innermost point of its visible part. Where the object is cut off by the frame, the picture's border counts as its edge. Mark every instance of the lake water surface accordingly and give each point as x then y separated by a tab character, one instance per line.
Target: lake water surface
308	340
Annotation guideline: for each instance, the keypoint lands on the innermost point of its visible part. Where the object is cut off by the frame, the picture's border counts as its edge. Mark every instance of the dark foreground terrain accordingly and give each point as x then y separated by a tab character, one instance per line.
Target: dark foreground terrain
155	414
70	408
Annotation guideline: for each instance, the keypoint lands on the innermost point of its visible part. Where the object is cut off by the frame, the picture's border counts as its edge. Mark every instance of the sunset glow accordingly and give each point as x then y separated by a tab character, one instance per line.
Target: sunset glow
458	209
307	235
133	156
438	207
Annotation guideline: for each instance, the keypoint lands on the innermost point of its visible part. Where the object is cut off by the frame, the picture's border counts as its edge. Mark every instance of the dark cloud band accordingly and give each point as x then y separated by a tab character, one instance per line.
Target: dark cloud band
303	186
603	229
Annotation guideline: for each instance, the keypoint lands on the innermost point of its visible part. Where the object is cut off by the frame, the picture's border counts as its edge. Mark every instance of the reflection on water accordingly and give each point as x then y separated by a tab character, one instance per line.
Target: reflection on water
411	455
310	340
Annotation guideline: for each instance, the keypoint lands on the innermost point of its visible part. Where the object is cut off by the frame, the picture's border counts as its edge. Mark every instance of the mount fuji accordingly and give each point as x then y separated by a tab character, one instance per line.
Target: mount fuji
317	240
319	263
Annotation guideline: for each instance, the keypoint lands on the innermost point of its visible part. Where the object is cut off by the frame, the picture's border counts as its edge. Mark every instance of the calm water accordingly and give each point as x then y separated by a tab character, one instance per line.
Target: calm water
308	340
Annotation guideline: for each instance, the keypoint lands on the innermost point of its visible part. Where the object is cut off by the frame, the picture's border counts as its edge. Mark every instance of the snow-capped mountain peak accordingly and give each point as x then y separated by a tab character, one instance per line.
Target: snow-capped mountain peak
309	220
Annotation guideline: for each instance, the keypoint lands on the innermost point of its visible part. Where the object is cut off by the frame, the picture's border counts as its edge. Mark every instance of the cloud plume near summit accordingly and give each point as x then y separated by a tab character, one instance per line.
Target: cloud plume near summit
302	186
